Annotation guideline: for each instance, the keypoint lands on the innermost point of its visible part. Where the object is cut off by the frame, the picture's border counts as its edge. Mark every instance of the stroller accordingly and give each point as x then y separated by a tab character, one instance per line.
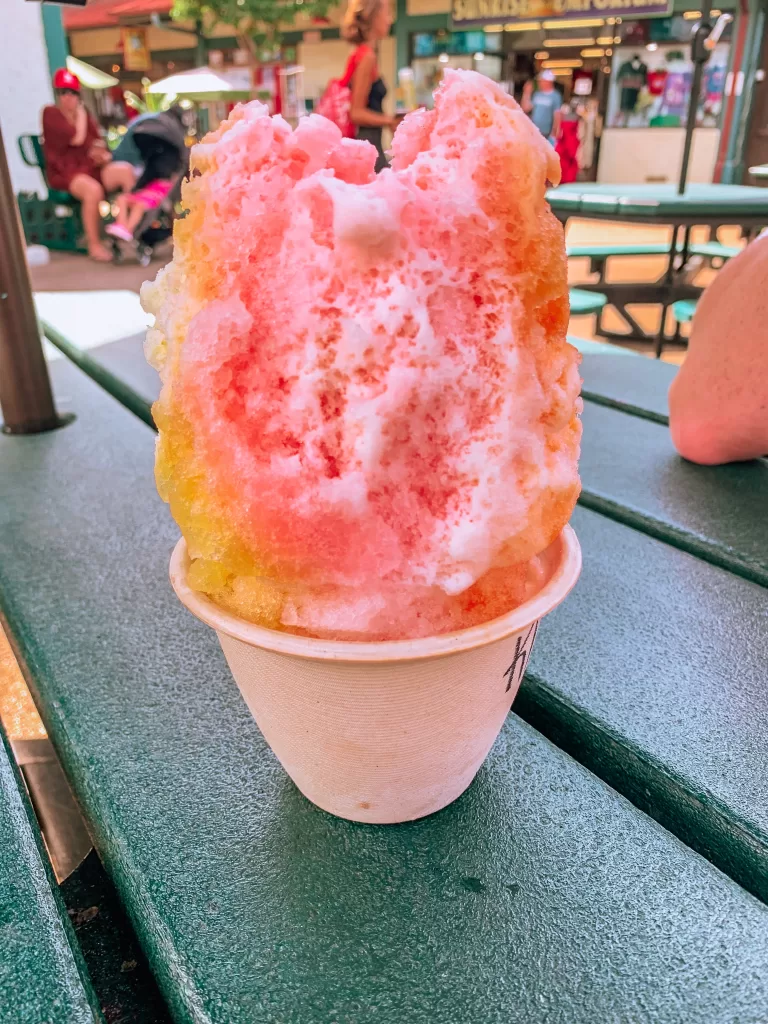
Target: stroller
160	141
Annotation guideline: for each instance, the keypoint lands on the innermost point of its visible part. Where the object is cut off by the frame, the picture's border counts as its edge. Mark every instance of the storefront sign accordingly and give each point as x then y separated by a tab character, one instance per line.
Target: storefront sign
136	55
488	12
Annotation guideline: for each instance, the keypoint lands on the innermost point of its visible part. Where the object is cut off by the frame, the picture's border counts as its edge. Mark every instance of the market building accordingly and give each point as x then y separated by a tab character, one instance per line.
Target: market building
628	62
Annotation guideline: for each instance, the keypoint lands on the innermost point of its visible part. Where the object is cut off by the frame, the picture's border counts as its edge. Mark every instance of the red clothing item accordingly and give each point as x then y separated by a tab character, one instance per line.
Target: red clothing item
62	160
567	149
656	80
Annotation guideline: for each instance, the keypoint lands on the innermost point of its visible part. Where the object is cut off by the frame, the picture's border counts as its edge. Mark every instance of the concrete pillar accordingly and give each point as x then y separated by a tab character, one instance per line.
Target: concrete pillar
55	37
401	33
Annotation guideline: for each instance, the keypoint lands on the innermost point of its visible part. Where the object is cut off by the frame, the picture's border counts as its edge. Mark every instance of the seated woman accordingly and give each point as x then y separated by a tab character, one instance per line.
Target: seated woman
718	402
77	159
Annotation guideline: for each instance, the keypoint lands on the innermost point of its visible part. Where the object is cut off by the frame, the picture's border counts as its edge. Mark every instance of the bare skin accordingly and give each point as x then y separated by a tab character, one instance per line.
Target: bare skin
718	402
362	79
90	193
130	211
115	176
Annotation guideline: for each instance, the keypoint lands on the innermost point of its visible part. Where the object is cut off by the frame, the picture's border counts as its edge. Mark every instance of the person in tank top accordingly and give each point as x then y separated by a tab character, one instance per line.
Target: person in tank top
365	23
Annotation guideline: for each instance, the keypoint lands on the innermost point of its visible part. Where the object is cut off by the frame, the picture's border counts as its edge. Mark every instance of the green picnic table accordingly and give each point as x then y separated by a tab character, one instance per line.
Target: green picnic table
542	895
712	205
700	205
639	387
43	978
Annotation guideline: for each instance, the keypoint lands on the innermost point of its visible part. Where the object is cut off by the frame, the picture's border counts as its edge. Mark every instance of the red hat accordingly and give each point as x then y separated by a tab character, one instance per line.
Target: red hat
64	79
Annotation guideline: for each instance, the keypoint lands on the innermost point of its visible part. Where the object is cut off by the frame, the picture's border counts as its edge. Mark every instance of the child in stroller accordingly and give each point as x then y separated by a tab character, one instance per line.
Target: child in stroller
145	215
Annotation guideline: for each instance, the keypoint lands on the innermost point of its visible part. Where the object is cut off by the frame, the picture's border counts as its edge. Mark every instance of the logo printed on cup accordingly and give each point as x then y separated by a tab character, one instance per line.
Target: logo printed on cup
523	648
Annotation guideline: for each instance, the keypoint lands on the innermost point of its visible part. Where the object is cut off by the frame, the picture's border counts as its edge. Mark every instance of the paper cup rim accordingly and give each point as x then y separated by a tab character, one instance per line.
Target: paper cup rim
567	569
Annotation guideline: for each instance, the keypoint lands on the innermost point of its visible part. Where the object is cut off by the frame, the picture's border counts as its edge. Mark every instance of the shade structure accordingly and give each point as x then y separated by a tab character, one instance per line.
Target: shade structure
89	76
201	84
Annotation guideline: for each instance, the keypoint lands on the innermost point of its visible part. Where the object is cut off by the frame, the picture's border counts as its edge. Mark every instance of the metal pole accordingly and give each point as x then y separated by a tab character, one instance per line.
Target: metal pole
698	69
26	400
700	56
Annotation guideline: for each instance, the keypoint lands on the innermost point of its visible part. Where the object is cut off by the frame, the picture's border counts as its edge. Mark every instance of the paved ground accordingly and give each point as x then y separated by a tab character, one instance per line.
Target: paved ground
68	272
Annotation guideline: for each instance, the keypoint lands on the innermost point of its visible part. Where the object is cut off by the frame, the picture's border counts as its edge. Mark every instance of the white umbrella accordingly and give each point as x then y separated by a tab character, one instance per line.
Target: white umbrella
203	85
89	76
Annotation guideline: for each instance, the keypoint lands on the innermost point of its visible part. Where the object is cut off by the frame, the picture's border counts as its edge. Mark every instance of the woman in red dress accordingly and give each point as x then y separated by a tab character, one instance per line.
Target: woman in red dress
568	144
77	159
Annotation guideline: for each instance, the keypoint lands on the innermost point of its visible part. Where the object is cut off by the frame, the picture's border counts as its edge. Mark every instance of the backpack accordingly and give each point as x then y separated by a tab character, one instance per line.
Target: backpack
337	98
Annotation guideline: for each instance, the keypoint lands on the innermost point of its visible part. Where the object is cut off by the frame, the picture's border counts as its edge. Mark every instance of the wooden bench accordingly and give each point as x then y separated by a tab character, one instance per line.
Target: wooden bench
540	895
43	979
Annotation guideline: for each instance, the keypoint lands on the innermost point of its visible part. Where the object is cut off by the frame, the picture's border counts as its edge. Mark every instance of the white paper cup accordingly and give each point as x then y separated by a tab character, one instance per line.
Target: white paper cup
391	731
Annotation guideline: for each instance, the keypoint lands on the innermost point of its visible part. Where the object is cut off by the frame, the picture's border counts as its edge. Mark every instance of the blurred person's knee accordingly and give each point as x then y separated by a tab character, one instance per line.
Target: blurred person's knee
118	175
86	189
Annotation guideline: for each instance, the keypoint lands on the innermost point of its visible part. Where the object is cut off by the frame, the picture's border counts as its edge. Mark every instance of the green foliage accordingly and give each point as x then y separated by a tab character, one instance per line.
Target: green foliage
152	103
255	22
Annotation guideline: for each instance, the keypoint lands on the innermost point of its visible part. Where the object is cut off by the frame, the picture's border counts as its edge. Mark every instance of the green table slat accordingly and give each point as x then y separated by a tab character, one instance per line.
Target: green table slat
628	201
683	310
630	470
654	488
123	361
638	387
587	347
119	367
653	674
606	251
711	250
540	896
583	302
42	977
715	250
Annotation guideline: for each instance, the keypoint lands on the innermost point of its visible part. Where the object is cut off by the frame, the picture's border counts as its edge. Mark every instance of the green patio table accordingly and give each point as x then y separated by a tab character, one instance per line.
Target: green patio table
700	205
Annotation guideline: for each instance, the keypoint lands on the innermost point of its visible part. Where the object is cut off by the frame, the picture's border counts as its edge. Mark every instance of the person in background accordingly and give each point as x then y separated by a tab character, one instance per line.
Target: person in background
569	141
718	402
543	105
365	23
77	159
159	142
131	207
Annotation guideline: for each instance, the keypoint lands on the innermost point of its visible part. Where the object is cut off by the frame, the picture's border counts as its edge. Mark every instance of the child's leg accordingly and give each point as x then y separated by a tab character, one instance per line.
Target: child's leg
138	209
123	202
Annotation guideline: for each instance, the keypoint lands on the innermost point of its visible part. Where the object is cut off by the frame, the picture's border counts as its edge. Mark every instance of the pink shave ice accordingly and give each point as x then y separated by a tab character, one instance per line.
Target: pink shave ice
368	426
